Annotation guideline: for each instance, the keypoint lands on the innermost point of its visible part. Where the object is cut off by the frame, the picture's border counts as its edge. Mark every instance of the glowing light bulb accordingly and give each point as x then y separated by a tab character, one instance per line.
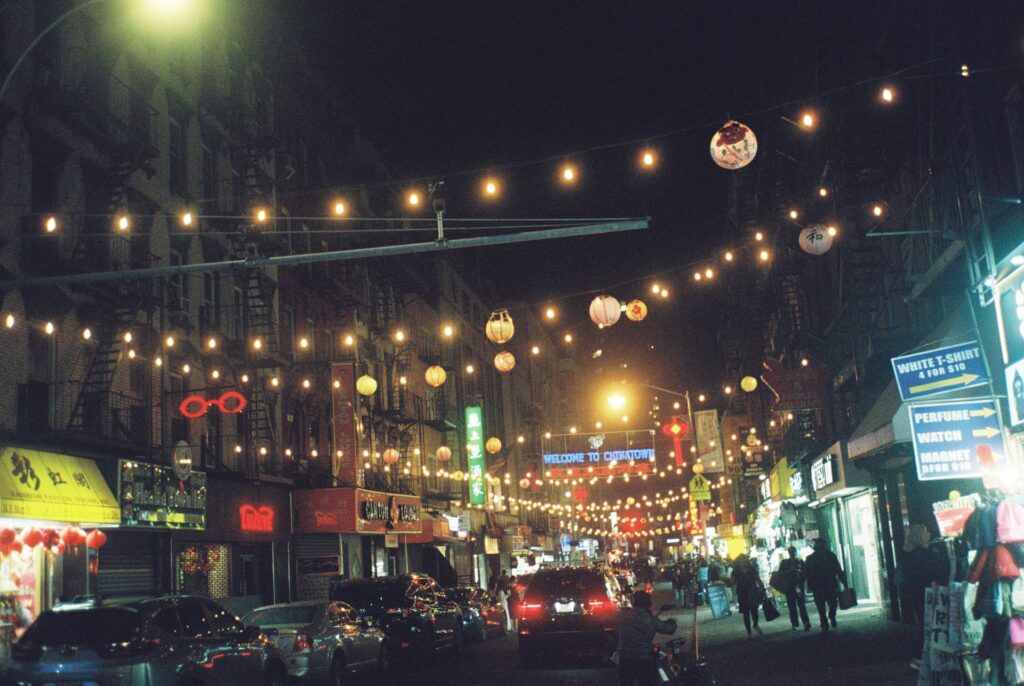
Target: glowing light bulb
793	214
491	187
123	223
87	333
127	336
804	362
339	208
9	321
186	219
215	374
261	215
568	338
535	350
648	158
186	368
823	192
709	273
759	236
348	340
877	210
304	343
728	256
888	95
412	199
159	362
306	383
832	231
808	120
764	256
169	341
470	369
257	343
211	343
50	225
448	331
245	378
568	173
697	276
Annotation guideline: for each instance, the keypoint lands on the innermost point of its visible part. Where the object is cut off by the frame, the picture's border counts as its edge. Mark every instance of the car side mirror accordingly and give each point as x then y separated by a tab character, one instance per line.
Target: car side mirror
251	632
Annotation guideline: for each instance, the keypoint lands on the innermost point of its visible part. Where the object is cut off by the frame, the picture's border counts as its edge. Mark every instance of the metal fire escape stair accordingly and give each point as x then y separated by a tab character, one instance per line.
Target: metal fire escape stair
100	375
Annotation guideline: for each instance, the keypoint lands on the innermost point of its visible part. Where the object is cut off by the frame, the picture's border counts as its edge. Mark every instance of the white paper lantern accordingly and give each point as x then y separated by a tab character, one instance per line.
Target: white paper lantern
504	361
815	240
605	310
733	146
500	328
443	454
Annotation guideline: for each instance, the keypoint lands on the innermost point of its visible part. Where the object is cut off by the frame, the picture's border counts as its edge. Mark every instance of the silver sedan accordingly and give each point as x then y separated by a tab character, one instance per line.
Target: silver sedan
322	640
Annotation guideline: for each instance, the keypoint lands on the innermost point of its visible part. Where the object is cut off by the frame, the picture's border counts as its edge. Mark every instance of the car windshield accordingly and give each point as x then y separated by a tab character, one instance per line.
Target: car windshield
568	583
282	615
371	596
94	627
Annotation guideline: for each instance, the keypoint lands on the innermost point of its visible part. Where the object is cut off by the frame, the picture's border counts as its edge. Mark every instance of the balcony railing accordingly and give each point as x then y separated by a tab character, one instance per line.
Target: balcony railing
48	410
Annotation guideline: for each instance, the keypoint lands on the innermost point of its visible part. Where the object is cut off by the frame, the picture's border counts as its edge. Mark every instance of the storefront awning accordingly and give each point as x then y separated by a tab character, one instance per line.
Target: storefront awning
885	424
51	487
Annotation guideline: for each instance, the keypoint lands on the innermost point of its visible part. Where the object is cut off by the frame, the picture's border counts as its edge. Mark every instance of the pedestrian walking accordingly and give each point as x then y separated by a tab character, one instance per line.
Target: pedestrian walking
637	627
793	575
922	567
679	585
504	587
824	574
749	591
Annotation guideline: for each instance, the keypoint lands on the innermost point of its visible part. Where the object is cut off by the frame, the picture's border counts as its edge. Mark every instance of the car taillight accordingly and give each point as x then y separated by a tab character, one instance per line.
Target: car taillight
302	643
600	606
527	610
133	648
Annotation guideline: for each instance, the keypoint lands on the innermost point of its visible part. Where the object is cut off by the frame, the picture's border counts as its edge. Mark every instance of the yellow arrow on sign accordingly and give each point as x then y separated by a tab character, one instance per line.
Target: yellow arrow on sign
987	432
962	380
985	412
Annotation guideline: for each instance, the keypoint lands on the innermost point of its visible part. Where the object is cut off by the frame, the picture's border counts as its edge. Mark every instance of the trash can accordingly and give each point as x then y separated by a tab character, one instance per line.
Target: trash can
718	599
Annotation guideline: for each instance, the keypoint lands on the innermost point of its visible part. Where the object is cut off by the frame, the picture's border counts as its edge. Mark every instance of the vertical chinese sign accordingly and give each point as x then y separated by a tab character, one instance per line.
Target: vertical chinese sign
343	422
475	451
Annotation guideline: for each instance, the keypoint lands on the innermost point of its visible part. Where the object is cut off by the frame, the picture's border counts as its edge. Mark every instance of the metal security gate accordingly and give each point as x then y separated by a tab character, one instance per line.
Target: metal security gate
317	559
127	565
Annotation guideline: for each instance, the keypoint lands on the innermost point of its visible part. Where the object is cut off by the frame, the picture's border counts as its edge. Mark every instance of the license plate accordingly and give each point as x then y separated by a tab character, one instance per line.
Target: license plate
565	607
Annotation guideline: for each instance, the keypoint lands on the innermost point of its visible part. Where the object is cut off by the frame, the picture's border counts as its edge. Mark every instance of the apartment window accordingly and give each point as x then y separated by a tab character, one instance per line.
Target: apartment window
210	311
210	193
178	158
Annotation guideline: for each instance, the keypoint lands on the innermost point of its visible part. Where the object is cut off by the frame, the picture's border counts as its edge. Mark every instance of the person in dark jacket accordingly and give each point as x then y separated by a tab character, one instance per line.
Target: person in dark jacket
749	591
637	627
792	571
922	567
679	584
824	574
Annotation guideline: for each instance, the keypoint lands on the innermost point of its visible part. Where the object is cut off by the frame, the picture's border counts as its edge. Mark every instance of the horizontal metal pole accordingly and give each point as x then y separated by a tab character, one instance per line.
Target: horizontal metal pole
330	256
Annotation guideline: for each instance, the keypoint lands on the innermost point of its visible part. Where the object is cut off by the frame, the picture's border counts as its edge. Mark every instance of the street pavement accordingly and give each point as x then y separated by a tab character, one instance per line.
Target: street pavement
865	649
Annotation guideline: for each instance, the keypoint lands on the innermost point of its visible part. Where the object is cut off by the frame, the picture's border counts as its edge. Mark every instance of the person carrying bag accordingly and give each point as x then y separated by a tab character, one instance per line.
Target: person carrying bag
824	574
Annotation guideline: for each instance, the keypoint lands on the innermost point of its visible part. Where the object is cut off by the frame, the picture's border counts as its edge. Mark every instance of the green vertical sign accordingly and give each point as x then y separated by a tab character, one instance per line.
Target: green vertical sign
475	450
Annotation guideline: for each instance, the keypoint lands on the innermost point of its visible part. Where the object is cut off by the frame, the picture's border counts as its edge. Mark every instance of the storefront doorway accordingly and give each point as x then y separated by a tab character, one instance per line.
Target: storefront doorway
865	568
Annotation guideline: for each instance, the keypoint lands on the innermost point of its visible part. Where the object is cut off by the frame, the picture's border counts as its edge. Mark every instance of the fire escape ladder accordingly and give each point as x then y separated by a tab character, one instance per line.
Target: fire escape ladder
259	319
100	375
260	426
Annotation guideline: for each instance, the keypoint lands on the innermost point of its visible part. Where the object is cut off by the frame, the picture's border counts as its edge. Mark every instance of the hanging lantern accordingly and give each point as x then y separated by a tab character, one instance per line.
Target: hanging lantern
733	146
31	537
500	328
7	536
366	385
493	445
748	384
605	310
580	494
524	483
391	456
435	375
95	539
698	468
457	475
636	310
504	361
815	240
443	454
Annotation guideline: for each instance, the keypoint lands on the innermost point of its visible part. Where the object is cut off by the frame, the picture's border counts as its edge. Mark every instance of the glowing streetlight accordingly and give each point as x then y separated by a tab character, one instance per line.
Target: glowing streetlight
617	402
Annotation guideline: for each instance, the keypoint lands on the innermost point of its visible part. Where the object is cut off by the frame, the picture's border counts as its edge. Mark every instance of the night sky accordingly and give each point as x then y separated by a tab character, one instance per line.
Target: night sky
445	87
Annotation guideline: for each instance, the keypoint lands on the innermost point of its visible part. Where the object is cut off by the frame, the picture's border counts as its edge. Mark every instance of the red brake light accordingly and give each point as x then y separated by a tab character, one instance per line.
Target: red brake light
600	606
527	610
302	642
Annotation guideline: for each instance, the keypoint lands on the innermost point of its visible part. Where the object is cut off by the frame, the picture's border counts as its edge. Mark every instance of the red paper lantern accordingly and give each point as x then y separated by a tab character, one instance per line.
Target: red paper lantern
16	546
79	535
7	536
95	539
32	537
391	456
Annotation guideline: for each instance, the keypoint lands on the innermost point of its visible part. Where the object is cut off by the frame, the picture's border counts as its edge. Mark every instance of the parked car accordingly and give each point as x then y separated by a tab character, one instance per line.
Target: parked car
176	640
322	641
482	615
411	609
570	612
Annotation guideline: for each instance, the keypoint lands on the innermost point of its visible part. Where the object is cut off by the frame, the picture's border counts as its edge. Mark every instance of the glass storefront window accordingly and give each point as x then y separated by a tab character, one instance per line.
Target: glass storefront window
863	548
205	570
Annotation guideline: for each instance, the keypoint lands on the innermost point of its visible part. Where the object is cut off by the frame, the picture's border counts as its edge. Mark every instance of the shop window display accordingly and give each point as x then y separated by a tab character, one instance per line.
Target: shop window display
205	570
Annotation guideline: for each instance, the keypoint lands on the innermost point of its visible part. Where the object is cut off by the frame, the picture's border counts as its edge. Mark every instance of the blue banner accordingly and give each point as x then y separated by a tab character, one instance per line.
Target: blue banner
960	439
933	372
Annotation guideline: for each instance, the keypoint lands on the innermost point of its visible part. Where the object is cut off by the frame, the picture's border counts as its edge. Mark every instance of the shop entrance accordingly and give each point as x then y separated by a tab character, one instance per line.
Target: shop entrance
865	572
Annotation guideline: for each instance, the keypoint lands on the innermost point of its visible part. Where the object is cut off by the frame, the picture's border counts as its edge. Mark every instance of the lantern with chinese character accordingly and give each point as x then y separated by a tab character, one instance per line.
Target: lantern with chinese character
605	310
504	361
500	328
493	445
435	375
815	240
390	456
733	146
748	384
443	454
366	385
636	310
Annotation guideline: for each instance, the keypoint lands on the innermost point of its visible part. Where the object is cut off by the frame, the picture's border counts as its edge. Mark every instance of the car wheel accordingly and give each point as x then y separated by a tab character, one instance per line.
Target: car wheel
339	671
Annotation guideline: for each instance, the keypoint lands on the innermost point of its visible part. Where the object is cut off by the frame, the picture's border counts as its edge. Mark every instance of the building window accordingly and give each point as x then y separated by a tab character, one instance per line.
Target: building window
178	158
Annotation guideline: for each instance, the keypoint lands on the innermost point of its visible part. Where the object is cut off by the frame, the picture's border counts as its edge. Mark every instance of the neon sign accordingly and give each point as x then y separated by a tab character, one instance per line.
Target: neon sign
195	406
256	519
632	454
475	452
675	430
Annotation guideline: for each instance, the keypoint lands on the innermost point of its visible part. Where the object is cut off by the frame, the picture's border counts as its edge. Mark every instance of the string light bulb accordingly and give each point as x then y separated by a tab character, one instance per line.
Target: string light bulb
808	120
412	199
877	210
728	256
447	331
568	173
823	192
186	218
887	94
831	230
87	333
697	276
764	256
339	208
211	343
50	225
261	215
348	340
794	214
123	222
491	188
9	321
759	236
648	159
169	342
535	350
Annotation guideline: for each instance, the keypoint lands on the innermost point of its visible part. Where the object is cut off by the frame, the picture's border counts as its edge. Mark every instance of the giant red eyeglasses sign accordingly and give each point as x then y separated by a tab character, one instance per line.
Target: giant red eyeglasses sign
259	519
195	406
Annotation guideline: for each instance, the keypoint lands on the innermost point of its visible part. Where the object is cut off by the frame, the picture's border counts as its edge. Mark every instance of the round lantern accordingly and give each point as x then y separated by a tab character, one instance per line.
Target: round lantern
636	310
630	500
524	483
500	328
605	310
366	385
7	536
32	537
443	454
748	384
733	146
493	445
435	375
95	539
504	361
390	456
457	475
815	240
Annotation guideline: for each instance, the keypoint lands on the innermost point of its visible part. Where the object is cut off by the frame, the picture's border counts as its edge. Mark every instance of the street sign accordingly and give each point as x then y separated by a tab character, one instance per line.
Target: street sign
700	488
933	372
957	439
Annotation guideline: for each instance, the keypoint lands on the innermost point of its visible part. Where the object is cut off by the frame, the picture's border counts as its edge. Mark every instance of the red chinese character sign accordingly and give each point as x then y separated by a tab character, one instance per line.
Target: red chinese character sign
676	430
252	518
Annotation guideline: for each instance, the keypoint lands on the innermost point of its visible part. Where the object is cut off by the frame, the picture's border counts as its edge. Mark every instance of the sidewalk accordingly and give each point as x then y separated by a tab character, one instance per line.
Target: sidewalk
866	648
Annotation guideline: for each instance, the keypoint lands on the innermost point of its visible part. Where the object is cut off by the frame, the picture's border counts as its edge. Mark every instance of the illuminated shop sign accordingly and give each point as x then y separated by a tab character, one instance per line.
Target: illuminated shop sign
599	456
475	450
254	518
823	471
195	406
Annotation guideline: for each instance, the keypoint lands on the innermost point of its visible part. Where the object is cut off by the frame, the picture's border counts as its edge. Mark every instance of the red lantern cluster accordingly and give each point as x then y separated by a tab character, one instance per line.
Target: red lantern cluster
52	540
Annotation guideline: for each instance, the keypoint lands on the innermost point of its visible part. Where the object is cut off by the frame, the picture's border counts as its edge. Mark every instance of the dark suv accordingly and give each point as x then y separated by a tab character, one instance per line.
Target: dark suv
412	610
176	640
570	612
